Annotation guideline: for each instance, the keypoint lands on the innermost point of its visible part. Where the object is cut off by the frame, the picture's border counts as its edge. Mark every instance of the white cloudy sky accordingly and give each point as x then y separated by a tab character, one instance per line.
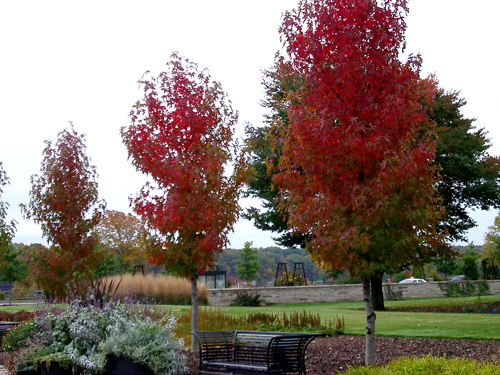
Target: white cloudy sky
80	61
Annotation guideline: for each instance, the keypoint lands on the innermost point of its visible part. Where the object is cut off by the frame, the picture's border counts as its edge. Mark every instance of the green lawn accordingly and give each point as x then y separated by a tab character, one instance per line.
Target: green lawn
439	325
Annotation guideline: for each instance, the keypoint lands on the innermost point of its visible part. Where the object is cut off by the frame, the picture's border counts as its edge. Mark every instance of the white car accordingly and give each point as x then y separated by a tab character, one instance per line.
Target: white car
412	280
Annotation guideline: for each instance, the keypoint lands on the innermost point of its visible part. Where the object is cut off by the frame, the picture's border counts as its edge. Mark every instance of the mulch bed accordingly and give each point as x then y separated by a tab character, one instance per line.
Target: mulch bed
334	355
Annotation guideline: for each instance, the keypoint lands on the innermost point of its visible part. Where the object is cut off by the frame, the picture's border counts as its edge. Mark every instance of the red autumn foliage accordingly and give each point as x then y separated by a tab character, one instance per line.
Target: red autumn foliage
64	201
181	135
357	150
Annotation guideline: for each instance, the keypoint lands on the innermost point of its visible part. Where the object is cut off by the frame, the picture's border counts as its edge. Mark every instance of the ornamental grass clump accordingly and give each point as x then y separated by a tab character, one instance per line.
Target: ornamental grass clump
157	288
214	320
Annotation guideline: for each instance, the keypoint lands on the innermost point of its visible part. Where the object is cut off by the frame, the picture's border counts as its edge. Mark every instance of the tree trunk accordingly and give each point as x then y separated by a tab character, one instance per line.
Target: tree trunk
377	292
194	311
370	323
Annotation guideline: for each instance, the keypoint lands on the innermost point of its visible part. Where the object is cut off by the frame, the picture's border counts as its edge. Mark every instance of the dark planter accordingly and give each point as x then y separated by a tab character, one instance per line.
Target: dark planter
126	366
55	369
26	372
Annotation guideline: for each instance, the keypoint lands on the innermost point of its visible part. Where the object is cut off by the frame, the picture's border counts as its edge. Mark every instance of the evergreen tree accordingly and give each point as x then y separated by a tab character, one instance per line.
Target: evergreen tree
247	265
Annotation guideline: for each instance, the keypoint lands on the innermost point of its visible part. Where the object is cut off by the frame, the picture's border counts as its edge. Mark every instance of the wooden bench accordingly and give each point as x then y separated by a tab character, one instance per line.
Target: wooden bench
249	352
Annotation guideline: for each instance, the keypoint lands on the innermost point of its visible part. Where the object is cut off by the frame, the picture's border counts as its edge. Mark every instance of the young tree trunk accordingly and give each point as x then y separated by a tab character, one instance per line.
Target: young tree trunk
370	323
194	311
377	292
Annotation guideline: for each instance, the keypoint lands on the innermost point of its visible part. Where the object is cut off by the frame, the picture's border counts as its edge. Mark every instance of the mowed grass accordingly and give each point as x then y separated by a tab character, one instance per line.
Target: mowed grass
388	323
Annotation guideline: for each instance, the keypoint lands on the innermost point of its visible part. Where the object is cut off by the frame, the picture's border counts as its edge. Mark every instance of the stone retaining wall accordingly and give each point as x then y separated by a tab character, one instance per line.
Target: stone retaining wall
330	293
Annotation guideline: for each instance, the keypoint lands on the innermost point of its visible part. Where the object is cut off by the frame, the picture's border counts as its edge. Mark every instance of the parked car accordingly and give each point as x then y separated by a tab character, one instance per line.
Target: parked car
412	280
458	278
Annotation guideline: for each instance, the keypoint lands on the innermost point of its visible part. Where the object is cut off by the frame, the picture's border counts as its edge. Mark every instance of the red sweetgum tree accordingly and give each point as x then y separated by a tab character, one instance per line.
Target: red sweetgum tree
64	201
357	147
181	135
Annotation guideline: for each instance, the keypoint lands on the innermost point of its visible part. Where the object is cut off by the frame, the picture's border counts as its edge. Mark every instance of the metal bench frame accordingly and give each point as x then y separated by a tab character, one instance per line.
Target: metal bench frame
249	352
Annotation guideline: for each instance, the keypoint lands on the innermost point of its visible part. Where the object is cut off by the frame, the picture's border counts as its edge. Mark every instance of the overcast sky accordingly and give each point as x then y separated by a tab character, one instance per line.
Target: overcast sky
80	61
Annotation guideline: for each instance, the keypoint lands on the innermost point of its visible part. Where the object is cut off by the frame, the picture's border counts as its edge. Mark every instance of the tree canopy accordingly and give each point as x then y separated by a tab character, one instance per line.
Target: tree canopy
492	243
64	201
124	236
181	135
470	177
356	157
7	228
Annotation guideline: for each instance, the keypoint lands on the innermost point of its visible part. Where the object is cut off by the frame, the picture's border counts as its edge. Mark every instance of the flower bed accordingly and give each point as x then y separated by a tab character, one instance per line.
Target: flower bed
84	337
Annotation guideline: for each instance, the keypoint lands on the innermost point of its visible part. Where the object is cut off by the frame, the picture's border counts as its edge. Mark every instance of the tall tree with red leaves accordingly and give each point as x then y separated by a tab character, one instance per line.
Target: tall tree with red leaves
181	135
357	149
64	201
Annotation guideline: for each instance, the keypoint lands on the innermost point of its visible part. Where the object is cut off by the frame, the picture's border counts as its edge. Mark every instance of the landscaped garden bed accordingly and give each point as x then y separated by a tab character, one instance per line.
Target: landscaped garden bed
334	354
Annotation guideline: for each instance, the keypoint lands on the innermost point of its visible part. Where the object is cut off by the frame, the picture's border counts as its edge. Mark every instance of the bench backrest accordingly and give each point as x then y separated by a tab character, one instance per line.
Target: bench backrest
252	347
215	346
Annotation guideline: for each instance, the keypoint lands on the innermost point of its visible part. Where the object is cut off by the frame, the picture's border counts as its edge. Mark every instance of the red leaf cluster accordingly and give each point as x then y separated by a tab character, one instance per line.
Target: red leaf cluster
181	134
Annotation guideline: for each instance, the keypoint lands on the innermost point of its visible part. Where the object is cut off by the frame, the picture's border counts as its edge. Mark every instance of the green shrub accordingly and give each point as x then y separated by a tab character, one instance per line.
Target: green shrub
2	295
392	293
62	359
148	343
452	288
474	308
465	288
247	300
429	365
483	288
16	337
468	289
24	358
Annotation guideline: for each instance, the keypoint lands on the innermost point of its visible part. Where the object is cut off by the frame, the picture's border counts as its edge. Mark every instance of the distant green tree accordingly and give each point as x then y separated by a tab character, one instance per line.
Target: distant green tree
112	264
7	229
448	266
492	243
469	265
247	265
12	267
